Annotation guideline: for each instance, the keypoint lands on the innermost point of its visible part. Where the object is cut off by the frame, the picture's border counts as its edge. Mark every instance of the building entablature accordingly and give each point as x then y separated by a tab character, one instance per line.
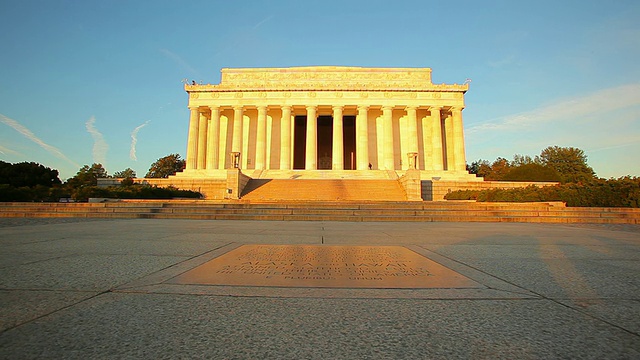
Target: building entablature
327	78
324	108
422	100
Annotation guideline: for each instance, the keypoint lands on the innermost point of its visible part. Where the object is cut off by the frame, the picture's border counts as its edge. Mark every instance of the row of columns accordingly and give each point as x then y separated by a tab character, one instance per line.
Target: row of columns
204	134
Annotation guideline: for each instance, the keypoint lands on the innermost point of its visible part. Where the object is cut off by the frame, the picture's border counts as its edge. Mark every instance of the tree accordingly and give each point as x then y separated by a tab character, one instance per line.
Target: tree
480	168
166	166
88	176
496	170
519	160
569	162
127	173
28	174
531	172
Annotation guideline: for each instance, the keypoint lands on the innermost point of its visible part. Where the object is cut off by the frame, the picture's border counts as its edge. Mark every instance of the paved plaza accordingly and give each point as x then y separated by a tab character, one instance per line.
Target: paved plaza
112	289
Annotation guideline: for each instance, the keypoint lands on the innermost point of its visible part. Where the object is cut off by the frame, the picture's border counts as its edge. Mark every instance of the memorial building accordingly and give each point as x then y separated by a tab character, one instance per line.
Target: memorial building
325	122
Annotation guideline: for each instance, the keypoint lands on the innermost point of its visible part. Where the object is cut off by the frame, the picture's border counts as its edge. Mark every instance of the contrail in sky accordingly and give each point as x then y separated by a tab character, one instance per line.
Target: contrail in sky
180	61
134	140
29	135
100	146
4	150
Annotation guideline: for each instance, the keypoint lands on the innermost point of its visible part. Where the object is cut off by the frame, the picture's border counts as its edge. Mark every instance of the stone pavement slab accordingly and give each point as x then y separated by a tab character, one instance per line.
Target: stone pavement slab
103	289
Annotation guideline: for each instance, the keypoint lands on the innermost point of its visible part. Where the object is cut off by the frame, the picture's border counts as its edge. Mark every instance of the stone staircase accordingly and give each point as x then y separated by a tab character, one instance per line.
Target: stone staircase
323	190
327	211
323	174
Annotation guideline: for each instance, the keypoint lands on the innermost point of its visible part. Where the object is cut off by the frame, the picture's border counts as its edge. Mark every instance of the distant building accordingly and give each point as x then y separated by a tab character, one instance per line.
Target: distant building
326	122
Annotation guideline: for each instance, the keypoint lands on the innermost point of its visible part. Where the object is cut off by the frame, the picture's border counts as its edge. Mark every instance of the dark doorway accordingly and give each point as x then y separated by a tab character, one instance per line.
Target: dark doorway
349	139
325	142
299	142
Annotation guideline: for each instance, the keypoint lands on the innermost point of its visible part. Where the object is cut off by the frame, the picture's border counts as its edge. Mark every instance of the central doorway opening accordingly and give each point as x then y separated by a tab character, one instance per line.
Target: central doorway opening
299	142
325	142
324	158
349	142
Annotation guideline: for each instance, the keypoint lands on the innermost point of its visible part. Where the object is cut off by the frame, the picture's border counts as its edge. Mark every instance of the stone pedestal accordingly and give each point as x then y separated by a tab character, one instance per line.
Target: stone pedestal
412	185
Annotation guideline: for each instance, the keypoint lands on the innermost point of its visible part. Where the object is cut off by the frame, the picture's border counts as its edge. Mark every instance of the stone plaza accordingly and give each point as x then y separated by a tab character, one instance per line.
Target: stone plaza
144	288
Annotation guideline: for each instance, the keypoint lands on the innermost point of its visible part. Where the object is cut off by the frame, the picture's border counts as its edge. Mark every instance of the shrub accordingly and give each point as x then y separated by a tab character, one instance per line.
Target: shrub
621	192
133	192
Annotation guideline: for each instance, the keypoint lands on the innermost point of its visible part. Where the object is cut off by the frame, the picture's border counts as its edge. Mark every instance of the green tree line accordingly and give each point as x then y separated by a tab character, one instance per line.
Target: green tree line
29	181
556	164
577	185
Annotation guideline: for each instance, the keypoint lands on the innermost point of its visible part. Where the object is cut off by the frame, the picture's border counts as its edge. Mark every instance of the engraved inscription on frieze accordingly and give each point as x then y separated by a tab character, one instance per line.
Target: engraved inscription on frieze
324	266
328	78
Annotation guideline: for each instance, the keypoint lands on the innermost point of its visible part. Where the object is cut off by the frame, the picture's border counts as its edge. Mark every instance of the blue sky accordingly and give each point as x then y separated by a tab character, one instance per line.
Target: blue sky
100	81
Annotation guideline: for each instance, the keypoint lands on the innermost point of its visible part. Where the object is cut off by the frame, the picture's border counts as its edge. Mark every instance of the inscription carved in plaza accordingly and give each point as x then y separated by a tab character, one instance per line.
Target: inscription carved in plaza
325	266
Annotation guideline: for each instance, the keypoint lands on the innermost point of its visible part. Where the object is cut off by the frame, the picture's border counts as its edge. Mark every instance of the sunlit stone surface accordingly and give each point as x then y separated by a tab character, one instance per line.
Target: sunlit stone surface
325	266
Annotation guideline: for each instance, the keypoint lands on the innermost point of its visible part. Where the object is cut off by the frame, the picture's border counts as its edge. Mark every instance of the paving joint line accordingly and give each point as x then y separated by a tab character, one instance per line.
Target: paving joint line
55	311
544	297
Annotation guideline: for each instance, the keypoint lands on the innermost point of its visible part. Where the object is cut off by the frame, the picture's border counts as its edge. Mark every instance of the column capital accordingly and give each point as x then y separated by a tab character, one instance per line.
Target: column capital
282	107
337	107
363	107
410	107
437	108
387	108
214	108
238	107
192	108
311	107
457	108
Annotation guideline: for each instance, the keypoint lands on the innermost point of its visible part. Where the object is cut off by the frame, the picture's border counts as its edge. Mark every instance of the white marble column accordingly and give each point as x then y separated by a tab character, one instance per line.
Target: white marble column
450	161
236	145
338	145
192	143
436	138
261	141
413	128
202	142
362	138
311	160
387	126
458	140
285	138
213	141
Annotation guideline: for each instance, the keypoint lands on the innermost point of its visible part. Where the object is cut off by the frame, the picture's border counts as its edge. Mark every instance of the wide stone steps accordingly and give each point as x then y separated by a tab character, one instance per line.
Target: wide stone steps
328	211
323	190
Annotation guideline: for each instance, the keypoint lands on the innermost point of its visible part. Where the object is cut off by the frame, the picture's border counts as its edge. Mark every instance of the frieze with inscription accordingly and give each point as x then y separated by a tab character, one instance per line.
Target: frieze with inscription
328	78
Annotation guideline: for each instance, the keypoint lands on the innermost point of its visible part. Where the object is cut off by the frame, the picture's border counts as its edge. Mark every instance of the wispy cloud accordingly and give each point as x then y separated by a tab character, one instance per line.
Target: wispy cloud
617	146
602	101
262	22
507	60
31	136
180	61
604	124
134	140
5	151
100	146
241	36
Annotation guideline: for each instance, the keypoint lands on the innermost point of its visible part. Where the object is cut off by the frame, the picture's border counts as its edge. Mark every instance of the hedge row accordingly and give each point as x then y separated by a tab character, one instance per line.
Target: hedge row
41	193
134	192
622	192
